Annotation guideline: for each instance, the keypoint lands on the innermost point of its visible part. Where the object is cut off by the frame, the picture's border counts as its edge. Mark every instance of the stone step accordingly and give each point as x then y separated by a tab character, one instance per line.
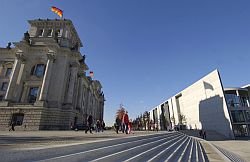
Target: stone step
185	149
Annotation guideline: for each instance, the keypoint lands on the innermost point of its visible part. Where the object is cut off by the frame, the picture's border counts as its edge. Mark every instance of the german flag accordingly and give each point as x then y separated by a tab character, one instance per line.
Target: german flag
57	11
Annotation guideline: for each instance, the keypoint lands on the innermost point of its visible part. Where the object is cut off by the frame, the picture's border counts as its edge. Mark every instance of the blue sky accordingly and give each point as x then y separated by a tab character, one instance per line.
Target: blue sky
145	51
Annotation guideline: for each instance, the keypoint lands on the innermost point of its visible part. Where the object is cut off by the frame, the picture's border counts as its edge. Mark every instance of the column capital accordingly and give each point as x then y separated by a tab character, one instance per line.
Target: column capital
20	56
51	55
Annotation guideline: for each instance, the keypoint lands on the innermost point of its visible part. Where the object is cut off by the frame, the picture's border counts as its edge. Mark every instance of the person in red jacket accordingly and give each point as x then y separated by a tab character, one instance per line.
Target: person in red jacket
125	121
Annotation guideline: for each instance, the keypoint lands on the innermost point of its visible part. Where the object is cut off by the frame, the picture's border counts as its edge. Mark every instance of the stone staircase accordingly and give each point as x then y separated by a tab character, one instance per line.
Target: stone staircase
185	148
180	147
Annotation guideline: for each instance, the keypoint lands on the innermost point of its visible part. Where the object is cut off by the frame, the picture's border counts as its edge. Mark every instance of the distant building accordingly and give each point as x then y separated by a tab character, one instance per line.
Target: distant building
43	82
207	105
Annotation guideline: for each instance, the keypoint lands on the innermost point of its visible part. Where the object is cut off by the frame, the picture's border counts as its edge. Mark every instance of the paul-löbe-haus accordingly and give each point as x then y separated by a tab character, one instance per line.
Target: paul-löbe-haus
43	82
207	105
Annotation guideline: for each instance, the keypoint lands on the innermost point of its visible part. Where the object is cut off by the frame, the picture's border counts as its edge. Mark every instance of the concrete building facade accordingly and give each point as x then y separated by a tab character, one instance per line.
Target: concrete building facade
206	105
43	82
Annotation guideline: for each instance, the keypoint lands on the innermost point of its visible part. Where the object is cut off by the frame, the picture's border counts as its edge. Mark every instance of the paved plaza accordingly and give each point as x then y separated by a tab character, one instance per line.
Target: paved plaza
178	146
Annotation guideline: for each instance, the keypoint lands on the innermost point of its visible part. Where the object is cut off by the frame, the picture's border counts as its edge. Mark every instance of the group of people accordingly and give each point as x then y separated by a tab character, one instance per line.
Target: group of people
124	124
98	126
203	134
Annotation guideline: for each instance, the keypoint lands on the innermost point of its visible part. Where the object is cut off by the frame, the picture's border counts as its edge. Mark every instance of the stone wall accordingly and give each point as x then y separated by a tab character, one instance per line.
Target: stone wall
31	120
39	118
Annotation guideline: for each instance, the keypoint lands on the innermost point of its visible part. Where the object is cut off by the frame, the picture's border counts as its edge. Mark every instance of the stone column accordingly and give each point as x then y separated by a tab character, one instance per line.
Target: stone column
19	84
24	93
73	74
46	78
80	93
14	75
88	101
76	92
84	100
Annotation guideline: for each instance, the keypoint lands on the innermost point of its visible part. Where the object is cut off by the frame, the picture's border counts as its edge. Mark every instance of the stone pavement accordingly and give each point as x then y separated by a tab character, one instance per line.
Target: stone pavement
47	139
238	147
28	139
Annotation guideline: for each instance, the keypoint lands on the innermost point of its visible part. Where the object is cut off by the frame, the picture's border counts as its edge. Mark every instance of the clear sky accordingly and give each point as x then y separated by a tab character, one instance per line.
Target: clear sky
145	51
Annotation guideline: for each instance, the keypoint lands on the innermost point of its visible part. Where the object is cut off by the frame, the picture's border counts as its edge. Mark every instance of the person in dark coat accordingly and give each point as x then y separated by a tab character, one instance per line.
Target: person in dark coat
200	133
204	134
102	125
98	126
89	123
117	124
12	126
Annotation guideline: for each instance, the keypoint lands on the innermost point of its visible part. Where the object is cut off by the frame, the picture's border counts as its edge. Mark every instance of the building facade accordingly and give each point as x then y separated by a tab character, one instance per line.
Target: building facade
207	105
43	80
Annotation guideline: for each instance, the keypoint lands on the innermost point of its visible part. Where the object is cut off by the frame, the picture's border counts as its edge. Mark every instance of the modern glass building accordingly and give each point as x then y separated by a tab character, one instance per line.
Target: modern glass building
239	109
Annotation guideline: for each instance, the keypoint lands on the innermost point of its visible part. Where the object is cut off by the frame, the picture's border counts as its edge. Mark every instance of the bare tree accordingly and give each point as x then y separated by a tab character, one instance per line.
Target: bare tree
120	112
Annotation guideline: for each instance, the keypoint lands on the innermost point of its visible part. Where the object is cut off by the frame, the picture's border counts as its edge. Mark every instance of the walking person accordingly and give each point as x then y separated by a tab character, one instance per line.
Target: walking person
89	123
98	124
125	121
12	128
102	125
117	124
204	135
200	133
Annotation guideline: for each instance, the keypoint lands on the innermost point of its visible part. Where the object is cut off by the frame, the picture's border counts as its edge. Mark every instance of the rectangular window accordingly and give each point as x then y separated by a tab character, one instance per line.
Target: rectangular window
60	32
40	32
237	116
50	32
33	94
8	72
1	97
39	71
4	86
244	101
232	100
18	118
247	115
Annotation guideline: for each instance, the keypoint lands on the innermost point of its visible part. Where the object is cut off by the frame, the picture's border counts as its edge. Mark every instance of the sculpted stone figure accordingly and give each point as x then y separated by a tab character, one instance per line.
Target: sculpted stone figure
26	37
8	46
